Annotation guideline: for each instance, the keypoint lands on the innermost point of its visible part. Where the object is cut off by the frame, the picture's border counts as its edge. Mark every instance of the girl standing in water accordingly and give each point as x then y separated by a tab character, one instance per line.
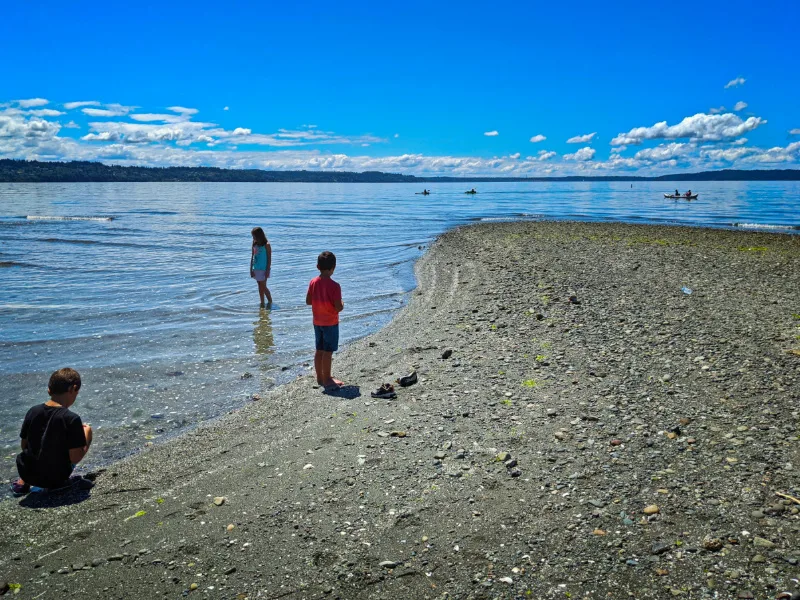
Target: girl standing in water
260	263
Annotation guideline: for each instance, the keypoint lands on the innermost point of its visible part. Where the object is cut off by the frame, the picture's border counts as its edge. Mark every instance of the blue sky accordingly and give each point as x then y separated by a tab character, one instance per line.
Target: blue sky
408	87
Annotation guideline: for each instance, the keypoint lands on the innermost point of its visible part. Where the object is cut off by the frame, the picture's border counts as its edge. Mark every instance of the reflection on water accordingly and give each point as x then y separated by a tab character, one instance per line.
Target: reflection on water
262	334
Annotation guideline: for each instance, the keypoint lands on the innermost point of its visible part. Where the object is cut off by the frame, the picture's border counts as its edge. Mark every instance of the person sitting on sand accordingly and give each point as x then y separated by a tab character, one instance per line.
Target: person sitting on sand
53	438
325	297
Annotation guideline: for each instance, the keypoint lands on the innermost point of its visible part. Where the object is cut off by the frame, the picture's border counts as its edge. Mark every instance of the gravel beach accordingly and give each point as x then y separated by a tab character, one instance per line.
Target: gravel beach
602	411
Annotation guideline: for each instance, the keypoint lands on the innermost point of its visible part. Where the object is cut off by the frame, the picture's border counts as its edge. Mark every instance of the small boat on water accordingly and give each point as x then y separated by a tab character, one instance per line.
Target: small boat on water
425	193
681	197
472	191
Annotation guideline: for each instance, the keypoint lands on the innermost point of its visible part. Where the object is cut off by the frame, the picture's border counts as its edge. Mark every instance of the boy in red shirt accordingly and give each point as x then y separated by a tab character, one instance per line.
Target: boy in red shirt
325	297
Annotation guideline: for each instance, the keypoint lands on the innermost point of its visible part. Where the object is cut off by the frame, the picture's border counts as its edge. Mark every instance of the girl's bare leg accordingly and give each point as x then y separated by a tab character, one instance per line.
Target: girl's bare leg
262	285
267	293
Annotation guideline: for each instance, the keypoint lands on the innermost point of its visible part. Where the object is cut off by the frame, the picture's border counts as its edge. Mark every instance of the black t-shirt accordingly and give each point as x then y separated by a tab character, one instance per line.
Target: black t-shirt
51	431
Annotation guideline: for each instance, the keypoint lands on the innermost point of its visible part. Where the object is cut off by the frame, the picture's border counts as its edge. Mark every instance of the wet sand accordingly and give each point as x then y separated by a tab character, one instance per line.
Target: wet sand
596	432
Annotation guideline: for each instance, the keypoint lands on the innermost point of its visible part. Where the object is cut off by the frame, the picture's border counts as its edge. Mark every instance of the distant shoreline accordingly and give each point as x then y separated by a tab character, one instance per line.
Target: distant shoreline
21	171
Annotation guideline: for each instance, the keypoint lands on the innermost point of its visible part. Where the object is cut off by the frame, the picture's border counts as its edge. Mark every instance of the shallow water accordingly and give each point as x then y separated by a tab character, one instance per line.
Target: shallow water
144	288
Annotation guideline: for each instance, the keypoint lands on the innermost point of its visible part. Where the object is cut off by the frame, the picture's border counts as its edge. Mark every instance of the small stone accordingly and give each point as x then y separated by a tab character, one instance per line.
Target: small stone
760	542
440	455
684	421
506	580
598	532
503	456
230	527
510	463
308	467
447	354
712	544
398	434
560	435
193	587
515	472
115	557
758	558
660	548
230	571
97	562
662	572
552	412
219	500
390	564
447	445
745	595
651	510
616	442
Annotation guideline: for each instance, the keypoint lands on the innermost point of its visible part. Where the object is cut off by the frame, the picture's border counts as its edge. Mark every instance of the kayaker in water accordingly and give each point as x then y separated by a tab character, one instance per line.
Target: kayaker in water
677	193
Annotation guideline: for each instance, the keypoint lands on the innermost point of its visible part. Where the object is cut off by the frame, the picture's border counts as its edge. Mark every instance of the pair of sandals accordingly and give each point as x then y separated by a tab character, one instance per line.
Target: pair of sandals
386	391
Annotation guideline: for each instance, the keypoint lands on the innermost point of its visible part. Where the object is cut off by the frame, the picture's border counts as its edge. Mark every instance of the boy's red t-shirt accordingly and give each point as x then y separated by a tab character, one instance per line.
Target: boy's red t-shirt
324	292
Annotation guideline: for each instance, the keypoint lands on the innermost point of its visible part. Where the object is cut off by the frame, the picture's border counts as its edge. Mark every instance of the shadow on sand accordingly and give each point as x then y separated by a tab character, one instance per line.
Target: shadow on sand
347	392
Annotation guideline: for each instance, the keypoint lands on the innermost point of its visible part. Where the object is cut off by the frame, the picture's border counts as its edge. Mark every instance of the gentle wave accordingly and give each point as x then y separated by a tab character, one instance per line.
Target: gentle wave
765	226
7	264
58	218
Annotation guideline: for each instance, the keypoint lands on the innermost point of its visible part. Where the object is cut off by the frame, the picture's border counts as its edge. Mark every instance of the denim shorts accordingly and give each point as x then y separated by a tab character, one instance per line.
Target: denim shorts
327	337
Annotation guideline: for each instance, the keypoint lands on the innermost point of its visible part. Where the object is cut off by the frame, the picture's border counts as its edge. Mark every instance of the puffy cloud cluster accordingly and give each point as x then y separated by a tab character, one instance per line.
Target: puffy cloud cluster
492	133
700	127
735	82
583	154
118	134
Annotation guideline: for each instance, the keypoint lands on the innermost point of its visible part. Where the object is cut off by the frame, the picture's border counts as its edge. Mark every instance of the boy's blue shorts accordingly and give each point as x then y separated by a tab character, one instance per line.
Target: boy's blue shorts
327	337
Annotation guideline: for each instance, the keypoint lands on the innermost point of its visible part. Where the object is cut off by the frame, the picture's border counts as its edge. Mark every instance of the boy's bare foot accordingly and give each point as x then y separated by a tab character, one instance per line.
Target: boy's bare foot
332	382
337	382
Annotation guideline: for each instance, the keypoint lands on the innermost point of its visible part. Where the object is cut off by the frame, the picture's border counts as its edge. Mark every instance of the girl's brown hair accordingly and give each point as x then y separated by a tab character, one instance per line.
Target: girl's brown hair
259	236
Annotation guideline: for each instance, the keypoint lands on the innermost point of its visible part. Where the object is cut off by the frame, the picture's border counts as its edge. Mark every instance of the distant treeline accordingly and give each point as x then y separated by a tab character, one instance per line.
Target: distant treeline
84	171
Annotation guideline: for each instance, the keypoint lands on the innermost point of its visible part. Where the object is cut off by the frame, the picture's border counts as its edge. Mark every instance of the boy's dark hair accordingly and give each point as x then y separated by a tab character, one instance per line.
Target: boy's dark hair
62	381
326	261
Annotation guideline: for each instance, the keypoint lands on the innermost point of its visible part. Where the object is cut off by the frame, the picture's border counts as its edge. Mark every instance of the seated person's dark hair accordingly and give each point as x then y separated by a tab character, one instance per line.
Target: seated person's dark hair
62	381
326	261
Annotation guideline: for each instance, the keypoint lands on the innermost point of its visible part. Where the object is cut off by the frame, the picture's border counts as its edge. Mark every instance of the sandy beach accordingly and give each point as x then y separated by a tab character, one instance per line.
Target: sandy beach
594	432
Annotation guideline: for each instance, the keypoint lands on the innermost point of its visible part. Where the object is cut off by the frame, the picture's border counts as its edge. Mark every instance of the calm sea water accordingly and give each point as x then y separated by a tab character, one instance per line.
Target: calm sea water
145	289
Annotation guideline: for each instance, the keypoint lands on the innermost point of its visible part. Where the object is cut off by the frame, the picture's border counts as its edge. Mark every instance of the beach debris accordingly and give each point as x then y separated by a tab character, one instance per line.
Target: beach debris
788	497
506	580
398	434
712	544
686	290
447	354
308	467
389	564
386	391
408	379
140	513
652	509
795	351
219	500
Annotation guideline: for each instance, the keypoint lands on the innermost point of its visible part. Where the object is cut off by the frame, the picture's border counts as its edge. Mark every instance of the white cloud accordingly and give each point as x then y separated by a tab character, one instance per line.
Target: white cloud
32	102
664	152
396	135
794	132
110	110
582	139
700	127
514	156
491	133
148	117
739	106
183	110
735	82
226	108
74	105
242	131
581	155
716	111
72	125
538	138
545	155
45	112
